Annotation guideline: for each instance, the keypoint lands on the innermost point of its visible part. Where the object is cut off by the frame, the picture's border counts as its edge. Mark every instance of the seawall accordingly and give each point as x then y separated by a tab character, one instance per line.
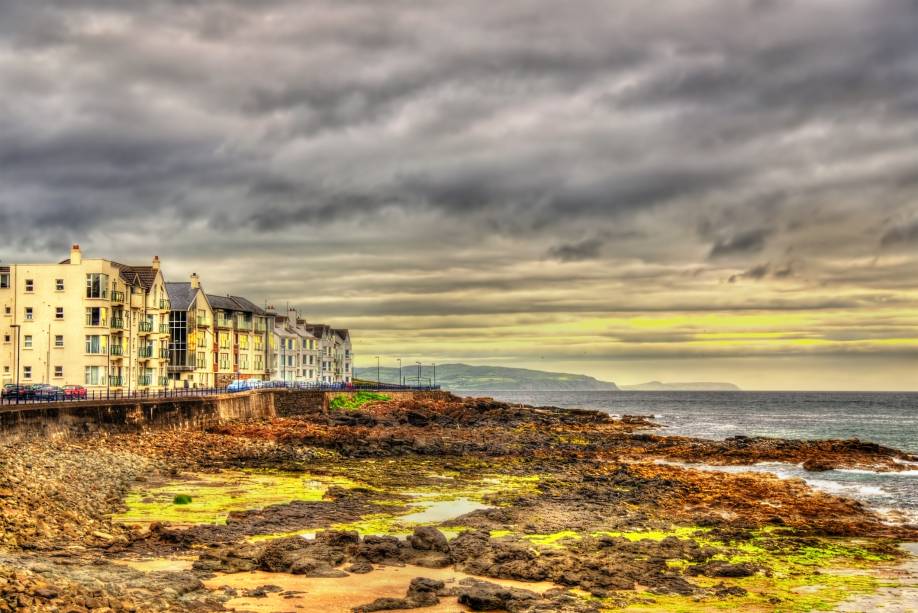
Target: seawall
63	419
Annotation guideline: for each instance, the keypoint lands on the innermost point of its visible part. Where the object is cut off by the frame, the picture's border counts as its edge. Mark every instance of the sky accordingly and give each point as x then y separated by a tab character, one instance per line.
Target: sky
674	190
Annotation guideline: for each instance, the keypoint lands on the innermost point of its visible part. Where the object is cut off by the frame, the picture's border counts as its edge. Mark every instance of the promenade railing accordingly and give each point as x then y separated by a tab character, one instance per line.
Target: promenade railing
242	385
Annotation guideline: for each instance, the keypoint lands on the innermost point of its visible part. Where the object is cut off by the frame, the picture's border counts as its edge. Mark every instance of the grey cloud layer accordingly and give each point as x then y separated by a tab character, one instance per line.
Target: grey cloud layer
772	138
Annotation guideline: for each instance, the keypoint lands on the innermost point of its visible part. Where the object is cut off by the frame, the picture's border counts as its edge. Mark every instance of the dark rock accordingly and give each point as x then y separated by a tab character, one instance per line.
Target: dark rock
426	538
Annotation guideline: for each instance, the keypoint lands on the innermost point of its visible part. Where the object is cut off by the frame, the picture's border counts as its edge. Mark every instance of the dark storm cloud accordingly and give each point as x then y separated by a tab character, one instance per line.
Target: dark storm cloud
685	143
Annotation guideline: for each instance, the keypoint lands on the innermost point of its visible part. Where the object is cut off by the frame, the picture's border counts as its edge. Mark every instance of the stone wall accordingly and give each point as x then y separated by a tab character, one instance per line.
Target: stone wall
131	415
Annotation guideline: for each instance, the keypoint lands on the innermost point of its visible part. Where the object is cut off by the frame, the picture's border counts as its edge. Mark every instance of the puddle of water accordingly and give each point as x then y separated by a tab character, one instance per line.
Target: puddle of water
320	595
214	496
445	510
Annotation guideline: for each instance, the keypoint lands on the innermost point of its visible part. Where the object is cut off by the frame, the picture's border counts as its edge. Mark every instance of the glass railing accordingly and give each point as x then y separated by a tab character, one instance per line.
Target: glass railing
260	326
116	350
145	380
117	296
164	305
145	352
224	323
145	326
243	325
203	322
116	381
117	323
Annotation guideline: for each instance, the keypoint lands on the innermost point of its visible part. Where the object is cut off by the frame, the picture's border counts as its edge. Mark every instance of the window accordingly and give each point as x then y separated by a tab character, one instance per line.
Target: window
224	340
93	343
29	285
259	365
59	340
7	310
224	361
201	360
4	280
58	371
26	372
6	338
95	316
27	341
202	339
244	362
96	285
59	285
310	373
289	360
258	343
6	369
59	313
28	313
94	375
244	341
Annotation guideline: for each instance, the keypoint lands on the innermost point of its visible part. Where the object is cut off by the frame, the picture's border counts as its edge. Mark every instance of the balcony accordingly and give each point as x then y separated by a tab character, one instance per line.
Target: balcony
145	380
203	322
114	381
164	305
164	328
116	350
224	322
117	324
117	296
145	353
145	327
244	325
163	381
164	353
260	326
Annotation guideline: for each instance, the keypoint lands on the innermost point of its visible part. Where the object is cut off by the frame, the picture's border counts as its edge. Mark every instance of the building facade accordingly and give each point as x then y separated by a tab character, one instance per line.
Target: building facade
192	341
335	353
242	339
296	349
91	322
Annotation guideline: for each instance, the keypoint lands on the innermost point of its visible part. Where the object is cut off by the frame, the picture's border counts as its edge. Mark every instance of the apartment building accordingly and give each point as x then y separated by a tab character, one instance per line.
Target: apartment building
296	350
82	321
192	341
242	334
335	353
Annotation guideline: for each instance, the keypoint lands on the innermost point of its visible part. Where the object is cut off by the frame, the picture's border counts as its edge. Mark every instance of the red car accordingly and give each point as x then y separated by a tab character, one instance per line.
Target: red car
74	392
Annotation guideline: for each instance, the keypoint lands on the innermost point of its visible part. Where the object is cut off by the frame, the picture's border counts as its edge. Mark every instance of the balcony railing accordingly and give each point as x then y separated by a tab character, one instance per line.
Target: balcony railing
163	304
203	322
223	322
164	328
145	352
117	323
145	380
164	353
260	326
117	296
116	350
145	326
243	325
163	381
115	381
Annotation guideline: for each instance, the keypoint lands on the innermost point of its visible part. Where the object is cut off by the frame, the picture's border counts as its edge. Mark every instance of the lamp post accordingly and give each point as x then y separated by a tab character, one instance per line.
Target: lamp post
18	367
419	373
399	370
435	374
377	371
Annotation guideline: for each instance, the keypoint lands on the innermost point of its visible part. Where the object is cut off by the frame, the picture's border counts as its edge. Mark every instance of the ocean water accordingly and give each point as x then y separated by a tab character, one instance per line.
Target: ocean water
886	418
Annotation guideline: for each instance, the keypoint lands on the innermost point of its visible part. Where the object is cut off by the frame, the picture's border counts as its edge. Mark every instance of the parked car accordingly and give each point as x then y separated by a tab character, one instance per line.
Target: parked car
11	391
46	392
241	385
74	392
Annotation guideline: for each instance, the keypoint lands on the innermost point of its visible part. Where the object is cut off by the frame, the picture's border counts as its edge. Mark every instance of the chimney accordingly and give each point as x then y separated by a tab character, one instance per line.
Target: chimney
155	262
195	281
76	257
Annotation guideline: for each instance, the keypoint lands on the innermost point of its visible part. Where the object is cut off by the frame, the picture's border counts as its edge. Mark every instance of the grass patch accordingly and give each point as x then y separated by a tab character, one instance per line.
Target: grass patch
355	401
181	499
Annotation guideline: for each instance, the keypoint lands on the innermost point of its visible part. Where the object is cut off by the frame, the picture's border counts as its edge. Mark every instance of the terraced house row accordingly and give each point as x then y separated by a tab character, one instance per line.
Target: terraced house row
106	325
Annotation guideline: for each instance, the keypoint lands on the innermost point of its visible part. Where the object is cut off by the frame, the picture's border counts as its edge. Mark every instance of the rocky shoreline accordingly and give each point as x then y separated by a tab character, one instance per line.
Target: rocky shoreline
600	513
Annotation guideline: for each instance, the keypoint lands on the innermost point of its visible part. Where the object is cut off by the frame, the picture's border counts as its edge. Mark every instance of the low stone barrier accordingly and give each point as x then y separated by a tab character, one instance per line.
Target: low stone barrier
61	419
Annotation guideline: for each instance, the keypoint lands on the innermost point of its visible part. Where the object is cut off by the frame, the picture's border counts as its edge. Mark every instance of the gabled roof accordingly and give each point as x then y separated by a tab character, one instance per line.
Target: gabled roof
343	333
144	276
234	303
181	295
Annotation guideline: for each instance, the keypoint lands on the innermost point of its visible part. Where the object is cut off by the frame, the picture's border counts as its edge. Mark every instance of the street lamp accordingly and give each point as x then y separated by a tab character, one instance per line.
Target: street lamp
419	373
18	367
435	374
399	371
377	371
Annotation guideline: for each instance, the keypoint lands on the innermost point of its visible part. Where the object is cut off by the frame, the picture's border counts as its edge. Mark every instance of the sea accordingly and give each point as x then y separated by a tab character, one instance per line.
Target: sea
889	419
